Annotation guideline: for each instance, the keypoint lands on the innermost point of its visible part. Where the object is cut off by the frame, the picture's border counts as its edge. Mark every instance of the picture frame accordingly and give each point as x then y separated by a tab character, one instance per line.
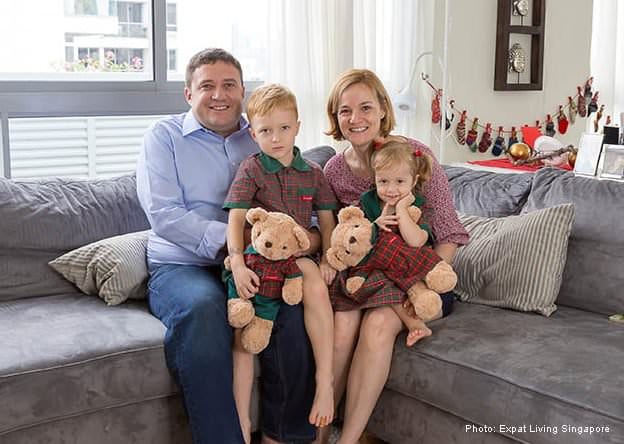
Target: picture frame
589	150
613	164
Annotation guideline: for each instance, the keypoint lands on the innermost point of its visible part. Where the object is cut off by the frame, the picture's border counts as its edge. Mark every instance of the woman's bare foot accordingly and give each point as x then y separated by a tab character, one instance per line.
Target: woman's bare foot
322	412
417	331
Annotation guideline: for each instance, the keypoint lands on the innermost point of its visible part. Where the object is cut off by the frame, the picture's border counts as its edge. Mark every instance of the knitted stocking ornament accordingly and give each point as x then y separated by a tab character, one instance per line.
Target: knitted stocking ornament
460	130
587	89
486	139
513	138
499	144
471	138
436	116
582	109
593	104
562	121
598	117
448	121
550	126
572	110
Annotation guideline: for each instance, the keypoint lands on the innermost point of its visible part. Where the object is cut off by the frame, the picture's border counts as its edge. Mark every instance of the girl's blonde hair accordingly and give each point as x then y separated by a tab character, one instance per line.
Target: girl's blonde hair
370	79
393	154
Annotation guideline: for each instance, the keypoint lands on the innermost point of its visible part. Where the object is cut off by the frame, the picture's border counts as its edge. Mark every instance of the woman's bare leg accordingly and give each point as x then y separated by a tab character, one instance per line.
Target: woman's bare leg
369	369
319	323
243	381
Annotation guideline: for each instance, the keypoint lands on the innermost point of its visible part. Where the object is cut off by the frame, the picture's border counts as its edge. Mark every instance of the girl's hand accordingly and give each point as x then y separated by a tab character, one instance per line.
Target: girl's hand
405	201
246	281
327	272
386	220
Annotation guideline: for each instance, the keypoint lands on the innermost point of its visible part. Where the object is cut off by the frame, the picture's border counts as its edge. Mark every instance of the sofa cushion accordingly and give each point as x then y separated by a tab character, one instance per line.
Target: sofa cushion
494	366
66	355
43	219
114	268
515	261
593	277
483	193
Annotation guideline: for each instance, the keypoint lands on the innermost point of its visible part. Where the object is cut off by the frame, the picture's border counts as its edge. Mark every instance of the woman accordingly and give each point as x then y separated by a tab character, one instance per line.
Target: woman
360	111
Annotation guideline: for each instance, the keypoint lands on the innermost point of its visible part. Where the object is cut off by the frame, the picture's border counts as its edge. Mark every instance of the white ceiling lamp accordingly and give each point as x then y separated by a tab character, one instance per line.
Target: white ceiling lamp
405	100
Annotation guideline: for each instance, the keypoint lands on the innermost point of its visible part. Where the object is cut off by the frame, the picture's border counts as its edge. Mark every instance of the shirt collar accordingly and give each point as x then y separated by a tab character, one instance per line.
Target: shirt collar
272	165
191	124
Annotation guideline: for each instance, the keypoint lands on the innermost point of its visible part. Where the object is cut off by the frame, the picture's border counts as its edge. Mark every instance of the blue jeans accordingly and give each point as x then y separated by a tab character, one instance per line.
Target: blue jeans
191	302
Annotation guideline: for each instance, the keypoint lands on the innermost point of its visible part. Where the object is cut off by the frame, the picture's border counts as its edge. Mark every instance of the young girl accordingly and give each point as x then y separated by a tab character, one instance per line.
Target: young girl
399	172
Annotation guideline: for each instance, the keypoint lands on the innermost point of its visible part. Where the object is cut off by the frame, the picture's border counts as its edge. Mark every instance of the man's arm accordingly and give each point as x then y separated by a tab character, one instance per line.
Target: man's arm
162	199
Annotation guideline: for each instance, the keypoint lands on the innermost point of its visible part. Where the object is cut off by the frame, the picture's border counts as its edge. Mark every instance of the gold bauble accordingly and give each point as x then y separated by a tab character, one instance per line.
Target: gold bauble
572	158
520	151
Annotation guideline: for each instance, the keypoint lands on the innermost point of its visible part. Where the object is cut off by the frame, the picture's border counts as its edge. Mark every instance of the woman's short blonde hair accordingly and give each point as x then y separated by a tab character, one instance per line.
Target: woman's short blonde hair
394	153
370	79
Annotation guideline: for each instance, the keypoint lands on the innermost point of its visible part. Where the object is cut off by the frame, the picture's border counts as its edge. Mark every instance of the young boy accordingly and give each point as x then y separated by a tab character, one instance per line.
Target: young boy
279	179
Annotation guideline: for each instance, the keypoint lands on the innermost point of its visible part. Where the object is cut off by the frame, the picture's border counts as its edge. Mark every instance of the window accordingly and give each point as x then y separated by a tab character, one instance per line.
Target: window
172	61
85	7
172	17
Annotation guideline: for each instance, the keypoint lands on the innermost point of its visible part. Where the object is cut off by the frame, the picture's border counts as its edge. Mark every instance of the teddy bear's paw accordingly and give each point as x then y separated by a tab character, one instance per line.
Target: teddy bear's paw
442	278
292	291
354	284
427	304
240	312
256	335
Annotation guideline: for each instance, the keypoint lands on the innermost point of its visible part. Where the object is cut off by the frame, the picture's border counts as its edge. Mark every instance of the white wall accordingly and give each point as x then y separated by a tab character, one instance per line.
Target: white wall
471	47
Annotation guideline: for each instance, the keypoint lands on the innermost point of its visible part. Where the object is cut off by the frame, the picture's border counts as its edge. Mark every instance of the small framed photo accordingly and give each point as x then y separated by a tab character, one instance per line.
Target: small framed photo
613	165
588	154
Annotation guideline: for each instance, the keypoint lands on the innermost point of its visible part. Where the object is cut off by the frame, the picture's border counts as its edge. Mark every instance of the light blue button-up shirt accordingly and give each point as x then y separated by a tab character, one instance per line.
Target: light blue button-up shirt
184	172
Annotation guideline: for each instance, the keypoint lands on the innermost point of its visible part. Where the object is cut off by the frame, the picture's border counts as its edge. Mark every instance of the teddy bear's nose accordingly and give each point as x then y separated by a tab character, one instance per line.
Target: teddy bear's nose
268	244
352	240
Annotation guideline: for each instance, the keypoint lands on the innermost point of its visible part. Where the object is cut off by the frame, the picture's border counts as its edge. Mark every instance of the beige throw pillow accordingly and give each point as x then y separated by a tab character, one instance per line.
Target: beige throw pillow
115	268
515	261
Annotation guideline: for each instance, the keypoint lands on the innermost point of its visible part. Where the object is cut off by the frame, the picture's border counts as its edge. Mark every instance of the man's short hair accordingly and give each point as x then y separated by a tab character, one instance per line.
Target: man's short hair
210	56
266	98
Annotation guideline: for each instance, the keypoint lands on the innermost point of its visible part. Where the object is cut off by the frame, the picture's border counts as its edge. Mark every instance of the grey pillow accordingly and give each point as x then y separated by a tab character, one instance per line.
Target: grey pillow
516	261
115	269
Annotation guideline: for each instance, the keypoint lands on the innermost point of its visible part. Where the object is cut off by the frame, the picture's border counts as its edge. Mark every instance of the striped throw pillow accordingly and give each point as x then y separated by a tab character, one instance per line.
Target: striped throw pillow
115	268
515	261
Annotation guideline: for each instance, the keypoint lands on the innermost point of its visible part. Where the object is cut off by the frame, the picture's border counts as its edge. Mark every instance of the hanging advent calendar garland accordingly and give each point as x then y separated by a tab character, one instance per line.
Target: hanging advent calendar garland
583	104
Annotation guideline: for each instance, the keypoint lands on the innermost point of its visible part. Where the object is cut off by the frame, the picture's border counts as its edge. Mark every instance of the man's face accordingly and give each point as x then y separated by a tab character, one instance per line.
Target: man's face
216	97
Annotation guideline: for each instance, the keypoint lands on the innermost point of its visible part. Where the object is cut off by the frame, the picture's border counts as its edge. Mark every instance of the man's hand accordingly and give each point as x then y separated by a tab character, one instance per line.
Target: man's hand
386	219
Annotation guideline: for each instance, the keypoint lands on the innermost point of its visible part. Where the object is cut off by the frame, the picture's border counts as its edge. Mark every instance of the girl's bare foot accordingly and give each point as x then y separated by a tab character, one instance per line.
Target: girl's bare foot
416	332
322	413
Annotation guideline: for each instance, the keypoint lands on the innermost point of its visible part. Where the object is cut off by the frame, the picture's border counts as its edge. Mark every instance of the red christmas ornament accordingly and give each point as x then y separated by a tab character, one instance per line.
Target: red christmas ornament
499	144
460	130
562	121
436	115
471	138
486	138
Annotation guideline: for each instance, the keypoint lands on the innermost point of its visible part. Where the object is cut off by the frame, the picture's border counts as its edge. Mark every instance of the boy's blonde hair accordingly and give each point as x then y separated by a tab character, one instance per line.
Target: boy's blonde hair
267	98
392	154
370	79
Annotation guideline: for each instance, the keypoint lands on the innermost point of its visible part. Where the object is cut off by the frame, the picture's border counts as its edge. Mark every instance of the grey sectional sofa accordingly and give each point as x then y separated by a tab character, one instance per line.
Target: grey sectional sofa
73	370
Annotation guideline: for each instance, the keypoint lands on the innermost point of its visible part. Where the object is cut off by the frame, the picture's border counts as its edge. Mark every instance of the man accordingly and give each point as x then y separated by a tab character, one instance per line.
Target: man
183	175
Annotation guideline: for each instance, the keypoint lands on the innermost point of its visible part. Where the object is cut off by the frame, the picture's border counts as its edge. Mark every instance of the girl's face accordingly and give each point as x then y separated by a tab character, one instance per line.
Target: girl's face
394	183
359	115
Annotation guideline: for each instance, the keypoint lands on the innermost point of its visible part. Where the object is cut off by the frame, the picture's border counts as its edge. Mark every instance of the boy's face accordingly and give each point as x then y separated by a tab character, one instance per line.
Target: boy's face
216	97
275	132
394	183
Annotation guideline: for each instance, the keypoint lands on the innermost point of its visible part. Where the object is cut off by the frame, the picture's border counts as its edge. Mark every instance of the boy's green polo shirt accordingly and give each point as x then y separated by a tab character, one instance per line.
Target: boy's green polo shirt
371	205
297	190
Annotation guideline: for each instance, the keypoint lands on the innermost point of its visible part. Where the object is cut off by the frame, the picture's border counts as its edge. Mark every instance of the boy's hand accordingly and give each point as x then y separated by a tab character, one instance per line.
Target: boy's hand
327	272
386	219
246	281
405	202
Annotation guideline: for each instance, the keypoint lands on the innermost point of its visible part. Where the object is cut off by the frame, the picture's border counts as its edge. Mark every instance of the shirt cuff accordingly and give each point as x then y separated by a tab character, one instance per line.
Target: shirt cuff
213	240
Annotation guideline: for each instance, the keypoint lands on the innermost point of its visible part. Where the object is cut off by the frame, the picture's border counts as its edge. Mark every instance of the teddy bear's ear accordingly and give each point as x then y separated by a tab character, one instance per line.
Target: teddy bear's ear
256	215
334	261
302	237
348	213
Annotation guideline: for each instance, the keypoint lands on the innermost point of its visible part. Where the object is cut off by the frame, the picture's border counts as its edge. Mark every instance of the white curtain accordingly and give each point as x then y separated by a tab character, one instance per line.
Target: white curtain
607	55
312	41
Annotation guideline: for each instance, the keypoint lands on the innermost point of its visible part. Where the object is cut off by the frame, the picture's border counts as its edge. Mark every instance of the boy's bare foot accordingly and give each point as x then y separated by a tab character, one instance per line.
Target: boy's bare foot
416	333
322	413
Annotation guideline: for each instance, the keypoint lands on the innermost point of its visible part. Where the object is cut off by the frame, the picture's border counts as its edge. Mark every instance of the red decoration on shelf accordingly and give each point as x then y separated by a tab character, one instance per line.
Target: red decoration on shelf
562	121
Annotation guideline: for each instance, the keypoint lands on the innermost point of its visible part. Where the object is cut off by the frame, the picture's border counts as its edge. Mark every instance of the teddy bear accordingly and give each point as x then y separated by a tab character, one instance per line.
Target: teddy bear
275	238
357	244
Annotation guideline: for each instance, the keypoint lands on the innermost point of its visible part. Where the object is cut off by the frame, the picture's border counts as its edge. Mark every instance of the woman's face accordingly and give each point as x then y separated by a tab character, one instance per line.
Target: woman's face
359	115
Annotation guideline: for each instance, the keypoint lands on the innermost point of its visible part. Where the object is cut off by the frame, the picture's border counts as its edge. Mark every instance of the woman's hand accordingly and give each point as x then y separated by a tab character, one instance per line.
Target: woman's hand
246	281
327	272
386	219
